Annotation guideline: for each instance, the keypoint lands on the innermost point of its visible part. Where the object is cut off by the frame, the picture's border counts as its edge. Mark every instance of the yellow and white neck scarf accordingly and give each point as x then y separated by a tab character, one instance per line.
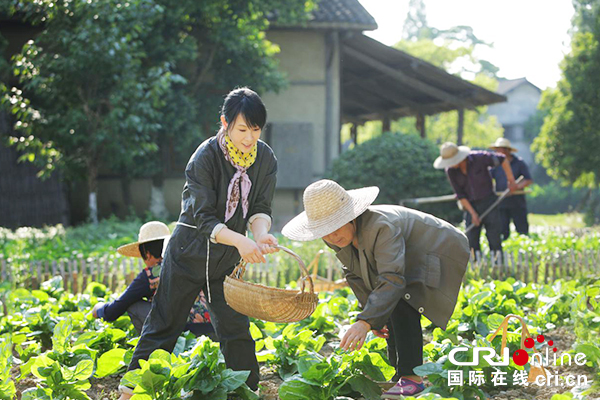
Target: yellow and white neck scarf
240	184
239	158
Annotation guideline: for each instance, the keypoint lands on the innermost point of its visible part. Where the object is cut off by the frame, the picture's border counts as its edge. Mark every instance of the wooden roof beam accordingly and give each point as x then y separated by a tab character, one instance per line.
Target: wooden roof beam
407	80
384	92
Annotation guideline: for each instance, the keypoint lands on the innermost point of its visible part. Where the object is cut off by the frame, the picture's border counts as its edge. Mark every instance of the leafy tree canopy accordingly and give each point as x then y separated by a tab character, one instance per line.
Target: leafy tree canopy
571	130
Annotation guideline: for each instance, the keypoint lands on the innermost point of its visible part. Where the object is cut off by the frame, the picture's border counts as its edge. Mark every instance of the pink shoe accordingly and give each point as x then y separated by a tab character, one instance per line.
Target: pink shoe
404	387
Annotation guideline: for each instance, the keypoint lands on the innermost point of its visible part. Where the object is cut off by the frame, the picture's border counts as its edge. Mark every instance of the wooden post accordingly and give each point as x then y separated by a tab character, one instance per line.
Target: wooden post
34	276
386	124
461	127
54	268
114	272
421	125
40	275
354	133
45	272
526	264
75	277
267	275
68	277
561	267
61	267
93	270
3	269
131	273
106	277
84	274
536	271
483	267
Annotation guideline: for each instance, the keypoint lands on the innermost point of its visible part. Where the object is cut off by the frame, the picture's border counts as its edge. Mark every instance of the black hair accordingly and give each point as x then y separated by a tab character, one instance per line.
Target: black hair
154	247
246	102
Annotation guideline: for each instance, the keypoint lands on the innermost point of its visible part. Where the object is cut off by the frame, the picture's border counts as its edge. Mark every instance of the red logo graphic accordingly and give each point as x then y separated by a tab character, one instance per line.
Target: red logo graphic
521	357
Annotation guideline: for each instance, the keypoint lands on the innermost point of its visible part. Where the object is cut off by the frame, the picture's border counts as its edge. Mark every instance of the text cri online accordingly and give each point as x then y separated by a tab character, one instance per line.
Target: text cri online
568	380
499	378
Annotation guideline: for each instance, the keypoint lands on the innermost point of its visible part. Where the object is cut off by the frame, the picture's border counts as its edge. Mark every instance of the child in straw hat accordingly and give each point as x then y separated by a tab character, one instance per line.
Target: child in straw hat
399	262
137	298
230	182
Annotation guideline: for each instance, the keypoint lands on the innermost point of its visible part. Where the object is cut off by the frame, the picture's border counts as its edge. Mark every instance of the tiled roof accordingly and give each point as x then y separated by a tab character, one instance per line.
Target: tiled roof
508	85
335	14
346	13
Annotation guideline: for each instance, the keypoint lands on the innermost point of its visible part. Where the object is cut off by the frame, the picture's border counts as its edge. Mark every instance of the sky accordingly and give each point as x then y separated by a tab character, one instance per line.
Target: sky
530	37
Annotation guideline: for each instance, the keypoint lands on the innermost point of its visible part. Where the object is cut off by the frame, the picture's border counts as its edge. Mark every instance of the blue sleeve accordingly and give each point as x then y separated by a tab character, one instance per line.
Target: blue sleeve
490	159
524	171
496	171
136	291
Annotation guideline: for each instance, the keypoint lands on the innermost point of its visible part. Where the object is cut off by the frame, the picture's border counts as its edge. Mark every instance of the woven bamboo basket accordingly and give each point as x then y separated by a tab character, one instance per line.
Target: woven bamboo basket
268	303
534	370
322	284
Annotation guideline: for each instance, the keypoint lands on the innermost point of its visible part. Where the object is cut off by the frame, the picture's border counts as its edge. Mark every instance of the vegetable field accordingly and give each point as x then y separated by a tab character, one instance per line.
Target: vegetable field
53	349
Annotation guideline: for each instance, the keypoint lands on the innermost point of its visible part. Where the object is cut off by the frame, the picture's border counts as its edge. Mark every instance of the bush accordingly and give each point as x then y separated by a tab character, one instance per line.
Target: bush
401	166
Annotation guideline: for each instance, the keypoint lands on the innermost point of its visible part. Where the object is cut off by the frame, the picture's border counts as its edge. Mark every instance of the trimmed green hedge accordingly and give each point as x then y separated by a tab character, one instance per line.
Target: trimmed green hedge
402	167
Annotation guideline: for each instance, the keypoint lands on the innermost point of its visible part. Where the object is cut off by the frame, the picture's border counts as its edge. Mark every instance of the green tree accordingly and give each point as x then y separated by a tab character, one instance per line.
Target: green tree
115	84
572	126
87	91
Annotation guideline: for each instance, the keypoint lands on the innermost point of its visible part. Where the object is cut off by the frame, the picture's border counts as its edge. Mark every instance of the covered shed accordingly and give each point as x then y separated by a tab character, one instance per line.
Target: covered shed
383	83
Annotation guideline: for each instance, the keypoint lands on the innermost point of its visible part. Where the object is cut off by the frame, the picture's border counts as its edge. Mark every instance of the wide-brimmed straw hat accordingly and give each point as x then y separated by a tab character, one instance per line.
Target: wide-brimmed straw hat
150	231
328	207
503	143
450	154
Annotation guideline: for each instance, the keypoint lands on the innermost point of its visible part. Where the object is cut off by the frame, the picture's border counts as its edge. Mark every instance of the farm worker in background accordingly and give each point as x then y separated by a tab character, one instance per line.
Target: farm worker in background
137	298
469	174
399	262
513	207
230	182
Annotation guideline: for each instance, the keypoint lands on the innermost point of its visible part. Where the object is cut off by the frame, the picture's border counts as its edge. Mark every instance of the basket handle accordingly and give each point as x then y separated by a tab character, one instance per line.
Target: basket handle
504	327
240	269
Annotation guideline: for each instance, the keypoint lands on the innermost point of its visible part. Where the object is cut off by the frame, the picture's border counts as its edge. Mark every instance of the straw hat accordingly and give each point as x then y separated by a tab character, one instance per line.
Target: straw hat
328	207
153	230
503	143
450	154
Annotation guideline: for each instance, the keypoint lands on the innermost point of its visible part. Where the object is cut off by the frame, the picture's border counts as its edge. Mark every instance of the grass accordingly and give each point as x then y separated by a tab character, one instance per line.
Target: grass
567	220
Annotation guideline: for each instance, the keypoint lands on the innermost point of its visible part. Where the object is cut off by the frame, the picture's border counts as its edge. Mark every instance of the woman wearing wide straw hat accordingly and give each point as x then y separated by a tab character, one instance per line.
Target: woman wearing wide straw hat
149	247
469	174
399	262
230	182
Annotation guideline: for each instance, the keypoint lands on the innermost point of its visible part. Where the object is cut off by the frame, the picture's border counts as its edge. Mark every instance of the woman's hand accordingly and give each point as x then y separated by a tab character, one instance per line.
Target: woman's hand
266	243
250	251
382	333
355	336
95	309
